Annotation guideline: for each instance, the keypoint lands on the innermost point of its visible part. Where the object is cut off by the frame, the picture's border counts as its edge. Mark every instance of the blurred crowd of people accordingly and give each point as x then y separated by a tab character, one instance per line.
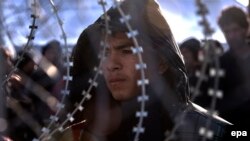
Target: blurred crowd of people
33	90
234	84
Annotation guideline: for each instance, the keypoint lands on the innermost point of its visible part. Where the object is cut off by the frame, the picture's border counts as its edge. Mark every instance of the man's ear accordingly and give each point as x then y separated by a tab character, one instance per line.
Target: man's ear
163	66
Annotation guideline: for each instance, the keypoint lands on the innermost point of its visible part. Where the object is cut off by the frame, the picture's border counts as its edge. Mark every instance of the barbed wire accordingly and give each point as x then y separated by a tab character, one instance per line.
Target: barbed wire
31	36
202	11
211	54
86	94
137	50
66	78
141	66
11	102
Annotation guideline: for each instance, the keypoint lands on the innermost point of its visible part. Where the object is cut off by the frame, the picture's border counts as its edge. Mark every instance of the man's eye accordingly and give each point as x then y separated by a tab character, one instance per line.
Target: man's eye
127	51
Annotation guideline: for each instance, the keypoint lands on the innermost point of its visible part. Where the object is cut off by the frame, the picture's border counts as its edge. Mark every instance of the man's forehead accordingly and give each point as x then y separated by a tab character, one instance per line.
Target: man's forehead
119	40
231	26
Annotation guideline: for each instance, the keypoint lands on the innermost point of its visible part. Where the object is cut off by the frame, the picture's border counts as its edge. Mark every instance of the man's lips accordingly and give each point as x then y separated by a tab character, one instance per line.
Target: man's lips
113	81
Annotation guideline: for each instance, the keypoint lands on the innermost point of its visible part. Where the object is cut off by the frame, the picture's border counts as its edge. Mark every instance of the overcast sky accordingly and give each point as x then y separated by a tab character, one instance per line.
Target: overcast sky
78	14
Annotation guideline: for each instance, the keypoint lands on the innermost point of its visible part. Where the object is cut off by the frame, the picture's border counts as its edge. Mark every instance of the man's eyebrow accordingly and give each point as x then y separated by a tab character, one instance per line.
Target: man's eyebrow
124	45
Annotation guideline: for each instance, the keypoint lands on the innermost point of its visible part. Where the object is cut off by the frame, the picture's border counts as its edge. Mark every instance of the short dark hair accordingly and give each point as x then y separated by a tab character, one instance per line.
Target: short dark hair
49	45
193	45
233	14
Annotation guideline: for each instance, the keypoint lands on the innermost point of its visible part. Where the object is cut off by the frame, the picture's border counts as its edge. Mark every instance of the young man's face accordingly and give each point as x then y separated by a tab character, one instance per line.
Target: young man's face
119	68
235	35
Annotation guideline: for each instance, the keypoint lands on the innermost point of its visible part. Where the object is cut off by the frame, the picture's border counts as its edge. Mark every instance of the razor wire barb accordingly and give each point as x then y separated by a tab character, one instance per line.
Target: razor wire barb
211	56
66	78
138	129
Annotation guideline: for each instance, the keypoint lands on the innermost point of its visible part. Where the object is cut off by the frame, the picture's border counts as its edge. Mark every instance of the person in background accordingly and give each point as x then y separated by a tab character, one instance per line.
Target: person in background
52	57
194	53
6	66
236	63
28	94
190	49
52	51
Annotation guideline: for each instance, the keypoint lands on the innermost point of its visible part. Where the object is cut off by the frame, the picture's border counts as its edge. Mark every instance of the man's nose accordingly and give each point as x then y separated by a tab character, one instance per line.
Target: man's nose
231	34
113	63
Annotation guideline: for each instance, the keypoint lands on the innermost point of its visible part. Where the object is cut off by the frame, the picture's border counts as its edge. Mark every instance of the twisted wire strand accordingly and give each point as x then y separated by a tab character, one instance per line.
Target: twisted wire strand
211	56
205	132
66	77
215	94
14	105
139	129
31	36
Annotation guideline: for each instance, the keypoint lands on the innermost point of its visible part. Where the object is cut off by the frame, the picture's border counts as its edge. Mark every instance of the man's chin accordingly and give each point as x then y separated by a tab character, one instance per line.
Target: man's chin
121	96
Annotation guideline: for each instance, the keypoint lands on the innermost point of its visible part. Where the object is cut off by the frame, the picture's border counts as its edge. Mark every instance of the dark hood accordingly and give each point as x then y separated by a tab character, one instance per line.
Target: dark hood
154	36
